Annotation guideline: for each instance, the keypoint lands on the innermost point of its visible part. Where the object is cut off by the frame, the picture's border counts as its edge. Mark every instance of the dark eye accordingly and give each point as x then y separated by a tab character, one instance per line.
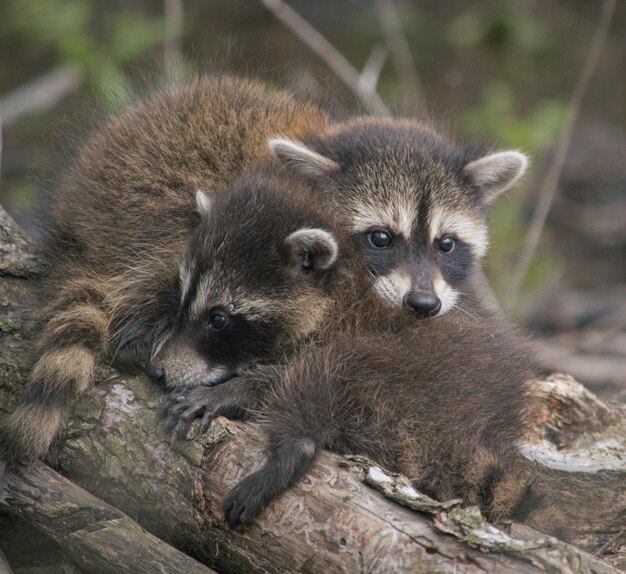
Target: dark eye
446	244
380	239
217	320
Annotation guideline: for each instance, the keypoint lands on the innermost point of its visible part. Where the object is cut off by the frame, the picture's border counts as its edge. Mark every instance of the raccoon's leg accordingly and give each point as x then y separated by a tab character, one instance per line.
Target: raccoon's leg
289	460
239	398
292	446
300	418
73	337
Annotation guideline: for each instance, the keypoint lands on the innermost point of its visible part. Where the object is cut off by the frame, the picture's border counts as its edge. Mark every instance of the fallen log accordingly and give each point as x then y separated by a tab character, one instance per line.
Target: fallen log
96	537
330	521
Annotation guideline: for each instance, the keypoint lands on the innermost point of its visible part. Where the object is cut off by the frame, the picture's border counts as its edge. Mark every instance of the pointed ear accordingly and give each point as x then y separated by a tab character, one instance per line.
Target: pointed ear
497	172
301	159
312	249
203	203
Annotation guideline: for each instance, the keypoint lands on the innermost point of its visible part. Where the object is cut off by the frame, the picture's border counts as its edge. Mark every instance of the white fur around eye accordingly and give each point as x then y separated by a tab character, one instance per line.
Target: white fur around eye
472	231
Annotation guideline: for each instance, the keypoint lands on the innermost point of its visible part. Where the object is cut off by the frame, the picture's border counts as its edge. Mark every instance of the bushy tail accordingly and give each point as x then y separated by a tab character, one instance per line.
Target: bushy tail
503	486
73	337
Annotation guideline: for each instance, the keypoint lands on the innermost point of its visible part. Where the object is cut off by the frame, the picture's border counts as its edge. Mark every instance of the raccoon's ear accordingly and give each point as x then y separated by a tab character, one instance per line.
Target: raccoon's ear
305	161
497	172
203	203
312	249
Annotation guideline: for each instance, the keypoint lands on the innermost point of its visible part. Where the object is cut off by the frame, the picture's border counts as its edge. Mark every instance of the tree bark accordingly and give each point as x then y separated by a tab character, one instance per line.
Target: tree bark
97	537
331	521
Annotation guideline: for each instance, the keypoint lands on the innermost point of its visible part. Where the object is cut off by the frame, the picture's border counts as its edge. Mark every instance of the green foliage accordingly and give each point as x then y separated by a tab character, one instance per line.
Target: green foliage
498	115
504	68
506	24
102	41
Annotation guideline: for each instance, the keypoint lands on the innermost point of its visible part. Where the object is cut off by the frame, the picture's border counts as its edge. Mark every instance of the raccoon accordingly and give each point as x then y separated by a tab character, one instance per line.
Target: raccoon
440	400
260	276
119	226
416	203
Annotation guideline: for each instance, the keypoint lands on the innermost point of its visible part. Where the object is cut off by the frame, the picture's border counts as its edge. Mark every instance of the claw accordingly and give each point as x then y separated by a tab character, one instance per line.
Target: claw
180	408
169	424
164	410
245	502
182	429
207	419
171	400
232	512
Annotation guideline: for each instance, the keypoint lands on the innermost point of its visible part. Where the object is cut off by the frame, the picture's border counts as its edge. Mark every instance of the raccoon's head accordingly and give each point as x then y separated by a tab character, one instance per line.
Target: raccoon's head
416	204
255	281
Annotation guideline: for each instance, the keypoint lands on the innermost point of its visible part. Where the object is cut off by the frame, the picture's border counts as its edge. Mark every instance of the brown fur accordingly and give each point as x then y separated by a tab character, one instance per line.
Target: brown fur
119	225
402	178
119	229
442	400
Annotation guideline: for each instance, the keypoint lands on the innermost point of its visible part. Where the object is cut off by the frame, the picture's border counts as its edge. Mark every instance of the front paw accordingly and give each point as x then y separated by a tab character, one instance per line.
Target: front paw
245	502
188	403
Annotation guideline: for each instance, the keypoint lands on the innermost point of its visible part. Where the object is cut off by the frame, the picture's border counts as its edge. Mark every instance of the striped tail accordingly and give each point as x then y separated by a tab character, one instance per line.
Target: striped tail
72	340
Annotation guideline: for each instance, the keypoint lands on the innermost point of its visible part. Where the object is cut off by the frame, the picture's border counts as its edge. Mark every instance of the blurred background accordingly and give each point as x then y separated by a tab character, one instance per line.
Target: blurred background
506	71
545	76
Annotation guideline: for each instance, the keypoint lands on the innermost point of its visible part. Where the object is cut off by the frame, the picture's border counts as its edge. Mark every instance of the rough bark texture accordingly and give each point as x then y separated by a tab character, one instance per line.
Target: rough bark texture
97	537
332	521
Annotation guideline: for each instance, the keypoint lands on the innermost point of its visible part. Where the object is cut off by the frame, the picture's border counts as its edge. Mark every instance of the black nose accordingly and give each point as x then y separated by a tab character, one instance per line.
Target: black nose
156	374
423	303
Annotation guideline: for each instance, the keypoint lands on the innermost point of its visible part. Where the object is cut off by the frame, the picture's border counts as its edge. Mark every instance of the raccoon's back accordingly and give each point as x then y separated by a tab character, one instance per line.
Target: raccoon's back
459	375
132	188
437	380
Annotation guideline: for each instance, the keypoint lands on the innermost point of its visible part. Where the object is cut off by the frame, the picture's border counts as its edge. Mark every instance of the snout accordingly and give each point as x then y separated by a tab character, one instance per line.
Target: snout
195	375
179	364
423	303
156	374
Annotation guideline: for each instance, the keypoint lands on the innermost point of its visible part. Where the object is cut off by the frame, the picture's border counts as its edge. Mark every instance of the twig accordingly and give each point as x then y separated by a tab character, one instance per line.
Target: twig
372	68
400	50
174	15
328	53
551	180
600	551
41	94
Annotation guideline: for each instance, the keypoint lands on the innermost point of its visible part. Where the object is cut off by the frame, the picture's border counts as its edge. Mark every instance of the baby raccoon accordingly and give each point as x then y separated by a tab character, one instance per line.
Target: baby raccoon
416	203
259	276
441	401
120	224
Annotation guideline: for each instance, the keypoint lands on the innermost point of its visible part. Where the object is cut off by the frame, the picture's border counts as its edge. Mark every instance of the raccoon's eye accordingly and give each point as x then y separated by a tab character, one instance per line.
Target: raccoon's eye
217	320
380	239
446	244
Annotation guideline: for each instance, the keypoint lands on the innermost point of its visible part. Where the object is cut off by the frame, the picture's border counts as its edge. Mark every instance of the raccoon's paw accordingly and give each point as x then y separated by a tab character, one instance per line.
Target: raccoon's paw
188	403
246	501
